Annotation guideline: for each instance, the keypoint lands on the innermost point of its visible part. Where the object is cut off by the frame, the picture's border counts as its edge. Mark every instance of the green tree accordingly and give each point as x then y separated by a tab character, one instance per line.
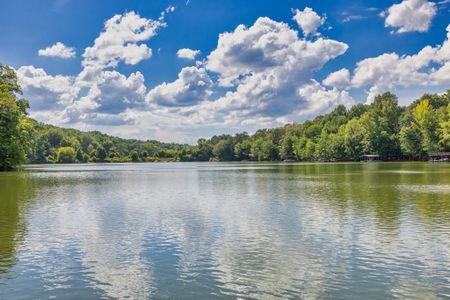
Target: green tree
55	137
354	139
79	156
134	156
337	146
223	150
264	150
100	154
427	123
66	155
15	128
411	141
305	149
323	151
68	141
381	126
204	151
287	146
444	129
242	150
85	158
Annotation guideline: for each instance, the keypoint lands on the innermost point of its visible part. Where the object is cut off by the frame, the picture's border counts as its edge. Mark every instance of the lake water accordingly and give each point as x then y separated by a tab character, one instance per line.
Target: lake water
226	230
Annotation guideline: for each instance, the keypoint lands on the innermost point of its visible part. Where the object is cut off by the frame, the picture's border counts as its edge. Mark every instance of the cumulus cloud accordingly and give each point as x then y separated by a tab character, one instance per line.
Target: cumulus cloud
339	79
58	50
308	21
192	86
120	41
105	99
46	92
267	70
113	92
73	99
385	72
268	45
266	64
96	95
322	99
187	53
411	15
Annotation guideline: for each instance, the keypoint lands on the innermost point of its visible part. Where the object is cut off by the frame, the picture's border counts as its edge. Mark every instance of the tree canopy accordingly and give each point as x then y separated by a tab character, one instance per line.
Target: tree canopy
15	128
383	128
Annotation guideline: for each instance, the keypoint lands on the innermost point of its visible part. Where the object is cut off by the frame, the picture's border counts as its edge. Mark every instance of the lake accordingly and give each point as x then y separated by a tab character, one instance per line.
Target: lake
226	231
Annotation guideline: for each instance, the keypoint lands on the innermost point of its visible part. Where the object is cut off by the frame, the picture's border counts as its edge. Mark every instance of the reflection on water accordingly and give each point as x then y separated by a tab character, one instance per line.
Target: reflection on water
211	230
15	193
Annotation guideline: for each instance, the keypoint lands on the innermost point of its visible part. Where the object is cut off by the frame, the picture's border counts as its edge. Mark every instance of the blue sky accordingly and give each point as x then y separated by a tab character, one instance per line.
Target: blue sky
246	64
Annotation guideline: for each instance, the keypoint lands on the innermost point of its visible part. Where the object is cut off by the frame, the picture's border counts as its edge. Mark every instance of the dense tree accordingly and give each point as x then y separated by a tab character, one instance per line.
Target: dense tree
381	128
223	150
66	155
79	156
353	133
100	153
242	150
15	128
204	150
427	124
444	129
287	146
134	156
411	141
381	124
264	150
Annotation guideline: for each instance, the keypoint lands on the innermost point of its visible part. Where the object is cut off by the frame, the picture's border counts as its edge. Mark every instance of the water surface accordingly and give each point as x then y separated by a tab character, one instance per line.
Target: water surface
226	230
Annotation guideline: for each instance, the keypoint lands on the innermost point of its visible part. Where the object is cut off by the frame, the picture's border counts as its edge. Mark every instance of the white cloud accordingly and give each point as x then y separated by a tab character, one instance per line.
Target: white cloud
73	99
120	41
187	53
266	64
192	86
58	50
105	99
429	67
321	99
268	45
339	79
267	68
308	21
95	95
46	92
411	15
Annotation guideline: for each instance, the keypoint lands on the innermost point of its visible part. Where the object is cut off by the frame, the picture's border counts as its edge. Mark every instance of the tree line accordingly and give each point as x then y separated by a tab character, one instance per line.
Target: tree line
384	128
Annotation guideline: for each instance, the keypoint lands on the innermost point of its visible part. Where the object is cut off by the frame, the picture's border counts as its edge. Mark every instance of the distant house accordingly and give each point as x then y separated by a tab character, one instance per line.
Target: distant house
370	157
439	157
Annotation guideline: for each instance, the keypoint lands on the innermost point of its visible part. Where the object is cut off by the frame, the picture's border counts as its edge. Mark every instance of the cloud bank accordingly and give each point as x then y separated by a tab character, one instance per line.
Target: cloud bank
265	74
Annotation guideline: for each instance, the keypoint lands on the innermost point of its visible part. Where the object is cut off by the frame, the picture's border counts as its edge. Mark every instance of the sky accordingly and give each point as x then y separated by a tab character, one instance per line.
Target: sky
180	70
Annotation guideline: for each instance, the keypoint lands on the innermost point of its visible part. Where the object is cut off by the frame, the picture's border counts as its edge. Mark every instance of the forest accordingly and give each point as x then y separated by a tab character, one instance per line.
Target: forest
383	127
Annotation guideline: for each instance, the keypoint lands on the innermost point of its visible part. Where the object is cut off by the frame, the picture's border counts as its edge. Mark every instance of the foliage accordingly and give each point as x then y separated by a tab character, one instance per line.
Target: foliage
66	155
15	128
134	156
382	128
